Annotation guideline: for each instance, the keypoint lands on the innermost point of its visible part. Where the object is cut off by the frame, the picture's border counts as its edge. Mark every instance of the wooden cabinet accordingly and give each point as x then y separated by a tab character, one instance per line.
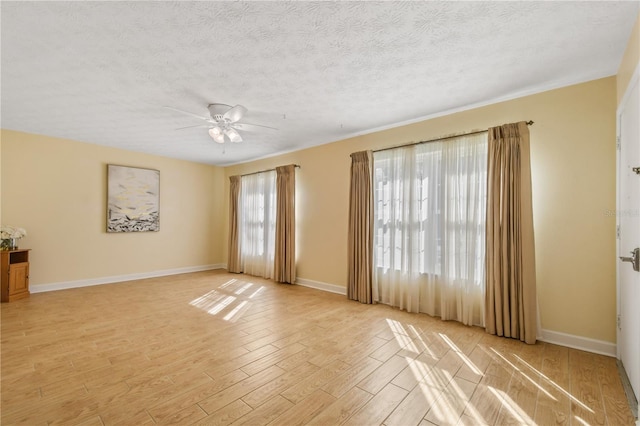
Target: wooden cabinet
15	274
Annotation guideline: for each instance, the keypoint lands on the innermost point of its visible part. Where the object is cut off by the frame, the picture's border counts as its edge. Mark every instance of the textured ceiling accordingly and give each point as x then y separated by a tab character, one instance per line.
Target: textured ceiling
101	72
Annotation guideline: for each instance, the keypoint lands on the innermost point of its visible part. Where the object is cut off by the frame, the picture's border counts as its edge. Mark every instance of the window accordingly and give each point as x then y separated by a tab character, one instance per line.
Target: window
429	225
258	223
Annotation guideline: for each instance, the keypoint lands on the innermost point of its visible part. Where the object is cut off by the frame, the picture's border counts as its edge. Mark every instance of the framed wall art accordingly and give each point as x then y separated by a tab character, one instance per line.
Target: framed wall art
133	199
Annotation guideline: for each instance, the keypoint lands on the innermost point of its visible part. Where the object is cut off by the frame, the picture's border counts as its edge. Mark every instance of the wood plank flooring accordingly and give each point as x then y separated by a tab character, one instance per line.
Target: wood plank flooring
214	348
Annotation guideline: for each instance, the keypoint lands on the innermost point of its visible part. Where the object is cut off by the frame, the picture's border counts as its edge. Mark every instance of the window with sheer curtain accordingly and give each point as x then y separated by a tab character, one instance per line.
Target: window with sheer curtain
429	227
257	211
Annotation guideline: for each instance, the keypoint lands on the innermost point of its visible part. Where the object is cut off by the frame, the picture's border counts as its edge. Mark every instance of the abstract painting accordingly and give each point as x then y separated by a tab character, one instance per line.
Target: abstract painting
133	199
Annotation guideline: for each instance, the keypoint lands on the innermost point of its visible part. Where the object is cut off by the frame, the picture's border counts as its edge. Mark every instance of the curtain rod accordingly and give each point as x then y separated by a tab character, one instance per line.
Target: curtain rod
529	123
297	166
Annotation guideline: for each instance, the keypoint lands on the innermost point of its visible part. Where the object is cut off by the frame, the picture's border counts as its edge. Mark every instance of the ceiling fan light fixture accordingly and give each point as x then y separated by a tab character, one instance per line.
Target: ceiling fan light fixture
233	135
216	134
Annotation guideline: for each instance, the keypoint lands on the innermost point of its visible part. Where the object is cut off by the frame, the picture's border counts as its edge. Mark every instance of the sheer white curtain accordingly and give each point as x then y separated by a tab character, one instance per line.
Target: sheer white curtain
429	228
258	223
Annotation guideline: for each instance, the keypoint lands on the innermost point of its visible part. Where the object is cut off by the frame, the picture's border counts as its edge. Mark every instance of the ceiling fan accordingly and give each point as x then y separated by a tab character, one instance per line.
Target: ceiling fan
224	121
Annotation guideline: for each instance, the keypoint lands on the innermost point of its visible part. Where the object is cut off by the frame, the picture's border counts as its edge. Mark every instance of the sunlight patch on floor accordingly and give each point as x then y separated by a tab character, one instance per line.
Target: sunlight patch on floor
205	302
513	408
236	312
244	288
401	335
581	421
424	345
447	400
515	368
228	283
462	356
446	410
221	305
257	292
418	368
555	385
228	301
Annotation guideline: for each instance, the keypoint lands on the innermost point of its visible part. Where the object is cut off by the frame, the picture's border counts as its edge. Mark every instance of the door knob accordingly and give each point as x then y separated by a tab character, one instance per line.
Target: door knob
634	259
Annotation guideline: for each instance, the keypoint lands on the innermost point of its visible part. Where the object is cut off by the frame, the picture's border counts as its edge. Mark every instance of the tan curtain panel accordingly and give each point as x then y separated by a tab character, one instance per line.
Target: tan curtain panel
360	239
510	309
285	254
234	263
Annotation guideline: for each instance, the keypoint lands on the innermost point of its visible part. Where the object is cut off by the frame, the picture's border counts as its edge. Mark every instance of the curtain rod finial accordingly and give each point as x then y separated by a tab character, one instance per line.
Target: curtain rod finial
529	123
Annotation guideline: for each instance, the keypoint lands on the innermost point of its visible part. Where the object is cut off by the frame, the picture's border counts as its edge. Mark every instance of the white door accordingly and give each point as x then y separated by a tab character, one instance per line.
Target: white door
628	215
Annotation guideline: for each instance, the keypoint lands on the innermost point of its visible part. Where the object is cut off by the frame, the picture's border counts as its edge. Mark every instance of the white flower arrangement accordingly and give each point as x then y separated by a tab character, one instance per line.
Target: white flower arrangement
9	232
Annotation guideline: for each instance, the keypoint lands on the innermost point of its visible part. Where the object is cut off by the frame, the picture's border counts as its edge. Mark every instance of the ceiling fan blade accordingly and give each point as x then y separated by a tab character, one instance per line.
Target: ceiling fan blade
252	127
193	127
233	135
189	113
235	113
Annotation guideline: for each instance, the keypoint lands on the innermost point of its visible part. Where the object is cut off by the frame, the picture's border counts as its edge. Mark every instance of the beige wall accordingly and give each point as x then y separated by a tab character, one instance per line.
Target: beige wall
629	61
56	189
573	155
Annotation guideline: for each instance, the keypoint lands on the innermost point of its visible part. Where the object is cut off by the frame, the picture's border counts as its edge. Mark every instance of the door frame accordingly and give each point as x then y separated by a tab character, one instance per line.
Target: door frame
632	81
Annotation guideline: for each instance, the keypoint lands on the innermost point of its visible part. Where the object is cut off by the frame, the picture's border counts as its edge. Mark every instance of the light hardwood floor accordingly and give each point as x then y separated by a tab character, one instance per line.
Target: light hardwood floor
214	348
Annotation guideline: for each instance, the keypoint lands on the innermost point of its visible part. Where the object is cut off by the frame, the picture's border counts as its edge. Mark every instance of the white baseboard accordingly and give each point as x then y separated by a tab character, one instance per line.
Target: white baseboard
578	342
41	288
331	288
